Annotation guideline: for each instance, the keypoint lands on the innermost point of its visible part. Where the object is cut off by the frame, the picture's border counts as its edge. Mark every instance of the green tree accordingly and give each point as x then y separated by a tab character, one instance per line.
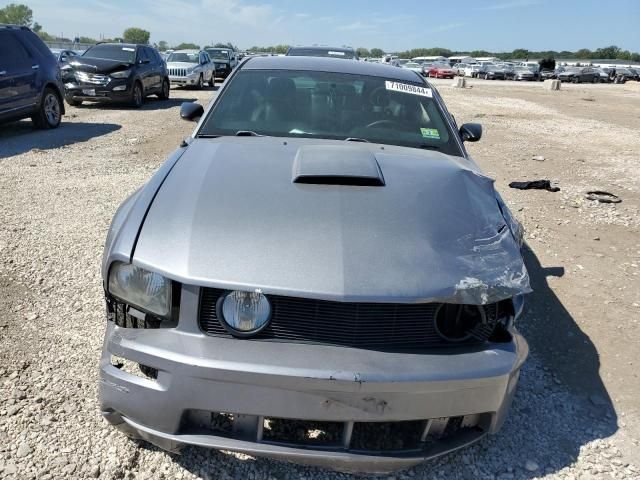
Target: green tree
88	40
520	53
186	46
136	35
162	45
363	52
226	45
377	53
16	14
607	52
584	53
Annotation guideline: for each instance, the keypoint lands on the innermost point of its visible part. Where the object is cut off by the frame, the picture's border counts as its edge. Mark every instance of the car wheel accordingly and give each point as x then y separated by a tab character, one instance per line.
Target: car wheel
212	80
74	103
595	79
164	92
137	97
49	114
200	83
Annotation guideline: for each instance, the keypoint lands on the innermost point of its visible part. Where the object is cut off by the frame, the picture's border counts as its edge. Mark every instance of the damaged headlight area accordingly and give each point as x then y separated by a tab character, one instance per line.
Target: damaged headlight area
121	74
467	323
138	298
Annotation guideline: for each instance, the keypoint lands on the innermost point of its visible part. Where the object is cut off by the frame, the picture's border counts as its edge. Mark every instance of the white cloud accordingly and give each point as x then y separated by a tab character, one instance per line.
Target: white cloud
355	26
511	4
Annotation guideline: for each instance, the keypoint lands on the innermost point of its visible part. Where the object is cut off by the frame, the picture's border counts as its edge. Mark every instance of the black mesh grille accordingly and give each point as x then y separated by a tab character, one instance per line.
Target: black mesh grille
362	325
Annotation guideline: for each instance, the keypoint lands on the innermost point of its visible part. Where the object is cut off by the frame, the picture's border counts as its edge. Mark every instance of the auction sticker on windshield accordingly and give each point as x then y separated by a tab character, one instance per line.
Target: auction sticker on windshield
408	88
430	133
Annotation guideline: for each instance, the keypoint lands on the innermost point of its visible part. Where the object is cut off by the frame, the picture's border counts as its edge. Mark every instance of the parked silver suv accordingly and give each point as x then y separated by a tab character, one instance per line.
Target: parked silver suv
191	68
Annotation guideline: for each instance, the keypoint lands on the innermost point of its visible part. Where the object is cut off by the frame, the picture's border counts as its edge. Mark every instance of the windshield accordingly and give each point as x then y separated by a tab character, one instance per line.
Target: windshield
218	54
316	52
411	65
184	57
112	52
331	106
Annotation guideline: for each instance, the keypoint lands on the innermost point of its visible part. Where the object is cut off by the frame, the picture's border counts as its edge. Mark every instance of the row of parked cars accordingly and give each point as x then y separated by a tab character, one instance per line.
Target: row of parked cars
35	81
523	71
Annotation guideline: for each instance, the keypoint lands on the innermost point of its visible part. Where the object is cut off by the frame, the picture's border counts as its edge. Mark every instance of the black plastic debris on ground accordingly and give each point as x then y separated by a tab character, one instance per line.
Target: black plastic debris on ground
602	197
535	185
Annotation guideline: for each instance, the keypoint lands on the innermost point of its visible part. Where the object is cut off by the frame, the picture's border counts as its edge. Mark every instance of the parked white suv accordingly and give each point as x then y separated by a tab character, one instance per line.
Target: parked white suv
191	68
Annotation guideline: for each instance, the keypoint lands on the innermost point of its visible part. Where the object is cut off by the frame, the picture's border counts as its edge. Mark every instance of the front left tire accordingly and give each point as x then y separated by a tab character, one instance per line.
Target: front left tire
49	114
137	96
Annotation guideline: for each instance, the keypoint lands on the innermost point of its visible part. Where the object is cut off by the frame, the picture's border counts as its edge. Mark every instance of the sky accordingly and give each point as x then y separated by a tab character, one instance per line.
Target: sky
464	25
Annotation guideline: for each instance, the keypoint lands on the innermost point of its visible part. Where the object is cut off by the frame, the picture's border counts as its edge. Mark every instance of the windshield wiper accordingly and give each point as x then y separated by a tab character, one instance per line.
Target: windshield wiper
247	133
206	135
355	139
426	146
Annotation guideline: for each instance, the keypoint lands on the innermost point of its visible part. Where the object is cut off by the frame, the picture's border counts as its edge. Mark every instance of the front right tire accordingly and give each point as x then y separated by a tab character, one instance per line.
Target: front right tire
164	92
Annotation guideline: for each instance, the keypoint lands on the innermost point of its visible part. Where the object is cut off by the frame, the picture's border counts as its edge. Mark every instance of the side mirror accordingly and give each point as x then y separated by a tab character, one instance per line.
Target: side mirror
191	111
471	132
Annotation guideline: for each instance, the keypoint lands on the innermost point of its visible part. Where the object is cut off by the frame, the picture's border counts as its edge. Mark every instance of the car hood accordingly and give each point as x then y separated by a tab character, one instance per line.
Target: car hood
181	65
229	215
98	65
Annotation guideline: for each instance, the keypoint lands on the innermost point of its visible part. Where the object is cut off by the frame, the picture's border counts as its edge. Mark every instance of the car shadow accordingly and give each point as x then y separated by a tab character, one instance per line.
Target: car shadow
561	405
150	103
20	137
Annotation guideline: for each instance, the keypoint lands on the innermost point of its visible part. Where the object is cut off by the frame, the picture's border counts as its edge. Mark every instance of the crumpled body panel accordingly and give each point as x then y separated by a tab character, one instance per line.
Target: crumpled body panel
229	216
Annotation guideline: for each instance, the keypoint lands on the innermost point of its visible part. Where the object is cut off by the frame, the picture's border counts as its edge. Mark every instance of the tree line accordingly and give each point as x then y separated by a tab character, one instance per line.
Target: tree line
19	14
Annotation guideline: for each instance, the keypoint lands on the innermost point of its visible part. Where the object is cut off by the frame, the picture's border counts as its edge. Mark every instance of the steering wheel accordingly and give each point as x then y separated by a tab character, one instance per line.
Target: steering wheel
391	123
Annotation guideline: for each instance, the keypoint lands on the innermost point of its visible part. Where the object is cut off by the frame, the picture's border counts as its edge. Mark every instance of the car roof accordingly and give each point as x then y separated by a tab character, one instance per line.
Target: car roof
13	27
124	45
188	50
323	49
333	65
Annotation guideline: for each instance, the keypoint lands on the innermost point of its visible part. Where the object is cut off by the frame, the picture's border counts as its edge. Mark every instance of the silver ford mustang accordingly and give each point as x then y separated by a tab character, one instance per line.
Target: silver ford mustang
319	274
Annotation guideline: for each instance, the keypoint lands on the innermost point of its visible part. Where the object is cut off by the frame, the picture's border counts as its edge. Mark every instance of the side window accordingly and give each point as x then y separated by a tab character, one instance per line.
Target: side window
151	54
13	51
142	55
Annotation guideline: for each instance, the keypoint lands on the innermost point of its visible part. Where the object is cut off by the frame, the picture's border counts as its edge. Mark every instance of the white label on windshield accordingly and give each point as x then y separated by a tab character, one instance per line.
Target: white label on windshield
336	53
127	49
408	88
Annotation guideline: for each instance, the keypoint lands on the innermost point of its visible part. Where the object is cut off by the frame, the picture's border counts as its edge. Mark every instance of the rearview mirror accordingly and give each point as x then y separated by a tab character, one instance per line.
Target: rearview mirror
471	132
191	111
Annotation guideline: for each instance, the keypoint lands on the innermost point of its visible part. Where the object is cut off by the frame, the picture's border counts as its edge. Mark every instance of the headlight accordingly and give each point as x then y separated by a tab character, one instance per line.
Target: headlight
122	74
245	313
140	288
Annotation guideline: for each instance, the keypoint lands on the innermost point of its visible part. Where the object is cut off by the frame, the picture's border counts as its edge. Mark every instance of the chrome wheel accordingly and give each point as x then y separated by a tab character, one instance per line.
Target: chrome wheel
52	109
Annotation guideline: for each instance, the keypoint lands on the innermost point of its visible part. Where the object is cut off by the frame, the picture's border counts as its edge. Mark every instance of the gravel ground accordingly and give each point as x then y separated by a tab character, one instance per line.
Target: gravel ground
576	413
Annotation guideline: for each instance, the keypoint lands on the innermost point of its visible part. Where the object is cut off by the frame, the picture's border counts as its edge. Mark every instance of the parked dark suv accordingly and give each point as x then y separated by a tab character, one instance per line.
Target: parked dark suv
30	84
116	72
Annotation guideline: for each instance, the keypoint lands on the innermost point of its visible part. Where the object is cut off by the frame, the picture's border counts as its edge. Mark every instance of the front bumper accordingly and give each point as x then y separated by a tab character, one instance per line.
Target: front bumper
114	91
200	376
222	72
189	80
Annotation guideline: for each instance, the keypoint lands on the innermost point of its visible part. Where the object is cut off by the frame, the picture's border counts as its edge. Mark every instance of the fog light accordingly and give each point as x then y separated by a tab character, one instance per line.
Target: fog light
119	88
245	313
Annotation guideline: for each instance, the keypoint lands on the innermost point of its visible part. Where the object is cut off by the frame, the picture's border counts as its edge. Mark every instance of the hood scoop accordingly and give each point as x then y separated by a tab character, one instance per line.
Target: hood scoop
337	165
